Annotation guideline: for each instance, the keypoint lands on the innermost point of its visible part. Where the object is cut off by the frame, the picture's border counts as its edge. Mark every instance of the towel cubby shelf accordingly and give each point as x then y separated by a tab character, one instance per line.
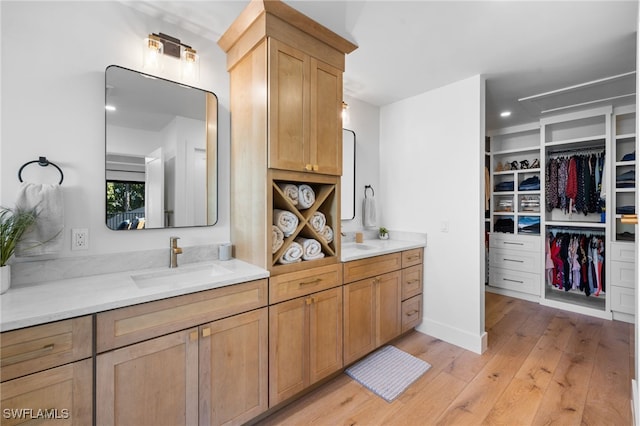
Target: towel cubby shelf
43	162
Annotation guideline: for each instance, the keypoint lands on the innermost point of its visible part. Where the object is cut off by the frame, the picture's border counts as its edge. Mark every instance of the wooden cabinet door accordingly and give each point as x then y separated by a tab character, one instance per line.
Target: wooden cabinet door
359	319
58	396
288	349
150	383
325	334
388	307
233	368
288	110
326	119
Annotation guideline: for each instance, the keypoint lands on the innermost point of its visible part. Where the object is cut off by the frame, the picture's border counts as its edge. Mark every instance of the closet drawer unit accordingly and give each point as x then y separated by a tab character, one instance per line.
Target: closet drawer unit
357	270
514	242
411	312
411	257
411	281
517	281
623	274
38	348
515	260
124	326
625	252
622	299
295	284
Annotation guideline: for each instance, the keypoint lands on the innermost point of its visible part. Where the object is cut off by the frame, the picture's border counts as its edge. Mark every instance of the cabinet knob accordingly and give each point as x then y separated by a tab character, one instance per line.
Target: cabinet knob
308	167
206	332
315	167
310	300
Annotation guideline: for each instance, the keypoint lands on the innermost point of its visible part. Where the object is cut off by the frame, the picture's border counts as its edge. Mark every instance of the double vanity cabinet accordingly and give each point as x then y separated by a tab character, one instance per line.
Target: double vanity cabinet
221	356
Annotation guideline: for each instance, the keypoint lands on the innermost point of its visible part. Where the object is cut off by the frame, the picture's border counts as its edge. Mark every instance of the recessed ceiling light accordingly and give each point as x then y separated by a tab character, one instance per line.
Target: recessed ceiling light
109	107
505	113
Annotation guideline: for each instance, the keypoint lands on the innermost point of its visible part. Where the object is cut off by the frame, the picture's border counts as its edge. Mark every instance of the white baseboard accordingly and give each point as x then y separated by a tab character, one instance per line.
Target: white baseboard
464	339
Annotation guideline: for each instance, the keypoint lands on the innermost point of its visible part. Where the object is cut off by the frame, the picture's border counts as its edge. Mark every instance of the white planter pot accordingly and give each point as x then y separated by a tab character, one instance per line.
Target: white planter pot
5	278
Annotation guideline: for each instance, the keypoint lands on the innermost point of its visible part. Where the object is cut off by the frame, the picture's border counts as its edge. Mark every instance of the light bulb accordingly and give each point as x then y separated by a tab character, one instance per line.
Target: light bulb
152	53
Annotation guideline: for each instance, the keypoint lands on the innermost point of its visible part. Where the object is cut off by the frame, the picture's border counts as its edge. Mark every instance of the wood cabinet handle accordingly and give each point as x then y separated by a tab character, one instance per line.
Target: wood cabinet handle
308	167
27	355
206	332
411	313
413	281
316	281
315	168
415	256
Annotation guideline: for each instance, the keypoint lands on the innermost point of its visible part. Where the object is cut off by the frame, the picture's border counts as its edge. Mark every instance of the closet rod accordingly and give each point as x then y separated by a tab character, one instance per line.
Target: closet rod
577	151
567	230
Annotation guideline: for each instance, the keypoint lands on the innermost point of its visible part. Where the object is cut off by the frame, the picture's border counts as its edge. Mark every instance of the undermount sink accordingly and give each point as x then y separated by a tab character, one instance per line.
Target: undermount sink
358	246
186	275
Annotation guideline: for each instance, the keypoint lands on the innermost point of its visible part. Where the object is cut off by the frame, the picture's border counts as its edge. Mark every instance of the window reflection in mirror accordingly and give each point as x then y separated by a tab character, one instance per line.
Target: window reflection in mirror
348	182
161	152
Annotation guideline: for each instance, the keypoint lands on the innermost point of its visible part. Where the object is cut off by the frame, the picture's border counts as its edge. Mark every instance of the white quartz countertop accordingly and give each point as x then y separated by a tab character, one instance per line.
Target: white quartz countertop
34	304
370	248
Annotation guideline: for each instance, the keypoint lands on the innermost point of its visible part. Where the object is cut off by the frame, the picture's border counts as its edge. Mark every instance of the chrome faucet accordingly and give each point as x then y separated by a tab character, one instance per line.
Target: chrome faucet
175	251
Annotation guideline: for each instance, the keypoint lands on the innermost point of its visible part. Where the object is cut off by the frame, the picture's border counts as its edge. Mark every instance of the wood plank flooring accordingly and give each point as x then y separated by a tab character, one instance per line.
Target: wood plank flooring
543	366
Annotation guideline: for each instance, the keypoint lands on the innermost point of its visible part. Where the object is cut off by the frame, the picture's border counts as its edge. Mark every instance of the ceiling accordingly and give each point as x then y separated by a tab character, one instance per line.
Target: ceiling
523	48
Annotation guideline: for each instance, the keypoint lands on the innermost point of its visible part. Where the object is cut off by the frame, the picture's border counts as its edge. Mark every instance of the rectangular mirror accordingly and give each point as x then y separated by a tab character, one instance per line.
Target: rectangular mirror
161	152
348	182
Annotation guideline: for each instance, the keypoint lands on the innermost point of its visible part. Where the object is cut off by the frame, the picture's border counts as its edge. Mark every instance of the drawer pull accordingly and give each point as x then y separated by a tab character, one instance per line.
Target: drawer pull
413	281
316	281
513	260
27	355
310	300
415	256
206	332
513	244
513	281
308	167
412	313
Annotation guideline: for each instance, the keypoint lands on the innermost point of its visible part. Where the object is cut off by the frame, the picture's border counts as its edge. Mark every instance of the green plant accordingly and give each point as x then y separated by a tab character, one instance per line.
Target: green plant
13	224
383	230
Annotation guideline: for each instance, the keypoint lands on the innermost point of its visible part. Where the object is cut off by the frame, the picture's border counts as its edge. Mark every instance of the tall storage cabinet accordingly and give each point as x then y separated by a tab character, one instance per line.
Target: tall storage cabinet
286	102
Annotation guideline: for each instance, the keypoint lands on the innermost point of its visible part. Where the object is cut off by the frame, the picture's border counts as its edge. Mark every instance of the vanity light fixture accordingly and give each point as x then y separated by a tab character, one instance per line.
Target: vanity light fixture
157	45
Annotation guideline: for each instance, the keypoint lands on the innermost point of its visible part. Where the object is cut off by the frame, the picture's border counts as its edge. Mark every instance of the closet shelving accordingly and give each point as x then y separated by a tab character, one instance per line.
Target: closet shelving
514	153
624	142
578	133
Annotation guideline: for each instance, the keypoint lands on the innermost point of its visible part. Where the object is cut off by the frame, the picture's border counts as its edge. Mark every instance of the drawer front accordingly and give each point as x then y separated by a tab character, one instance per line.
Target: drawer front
37	348
411	312
289	286
411	281
517	281
370	267
121	327
625	252
515	242
622	299
412	257
515	260
623	274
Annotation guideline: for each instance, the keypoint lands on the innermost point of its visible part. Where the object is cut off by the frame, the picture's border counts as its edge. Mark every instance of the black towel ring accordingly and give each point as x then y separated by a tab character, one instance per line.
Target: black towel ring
373	193
42	161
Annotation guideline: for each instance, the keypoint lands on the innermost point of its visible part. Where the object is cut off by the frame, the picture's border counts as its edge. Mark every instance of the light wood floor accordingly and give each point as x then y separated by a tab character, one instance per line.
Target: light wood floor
543	366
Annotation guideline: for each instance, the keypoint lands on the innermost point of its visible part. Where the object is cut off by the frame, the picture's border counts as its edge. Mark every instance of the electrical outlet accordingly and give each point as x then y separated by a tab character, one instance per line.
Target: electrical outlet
80	239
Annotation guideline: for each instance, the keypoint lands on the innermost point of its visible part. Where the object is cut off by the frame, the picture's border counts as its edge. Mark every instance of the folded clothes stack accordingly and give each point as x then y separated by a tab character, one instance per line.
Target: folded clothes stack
504	186
626	209
626	180
530	204
530	184
529	225
629	157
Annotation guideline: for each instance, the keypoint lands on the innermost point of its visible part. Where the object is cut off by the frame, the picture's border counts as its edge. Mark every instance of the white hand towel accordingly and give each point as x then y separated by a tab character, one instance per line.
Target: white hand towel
290	191
369	213
277	238
311	249
45	236
292	254
286	221
318	221
327	234
306	196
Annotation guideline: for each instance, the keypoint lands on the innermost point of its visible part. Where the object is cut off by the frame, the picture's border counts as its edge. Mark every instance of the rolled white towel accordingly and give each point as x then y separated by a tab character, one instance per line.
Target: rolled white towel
286	221
277	238
327	234
292	254
306	197
318	221
311	249
290	191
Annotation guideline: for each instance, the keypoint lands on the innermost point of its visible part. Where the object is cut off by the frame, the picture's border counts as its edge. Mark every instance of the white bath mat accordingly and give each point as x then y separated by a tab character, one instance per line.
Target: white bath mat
388	372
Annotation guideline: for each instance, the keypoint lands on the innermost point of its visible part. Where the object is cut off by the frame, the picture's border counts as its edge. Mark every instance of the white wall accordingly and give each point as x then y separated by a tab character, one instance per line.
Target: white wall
54	55
431	175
